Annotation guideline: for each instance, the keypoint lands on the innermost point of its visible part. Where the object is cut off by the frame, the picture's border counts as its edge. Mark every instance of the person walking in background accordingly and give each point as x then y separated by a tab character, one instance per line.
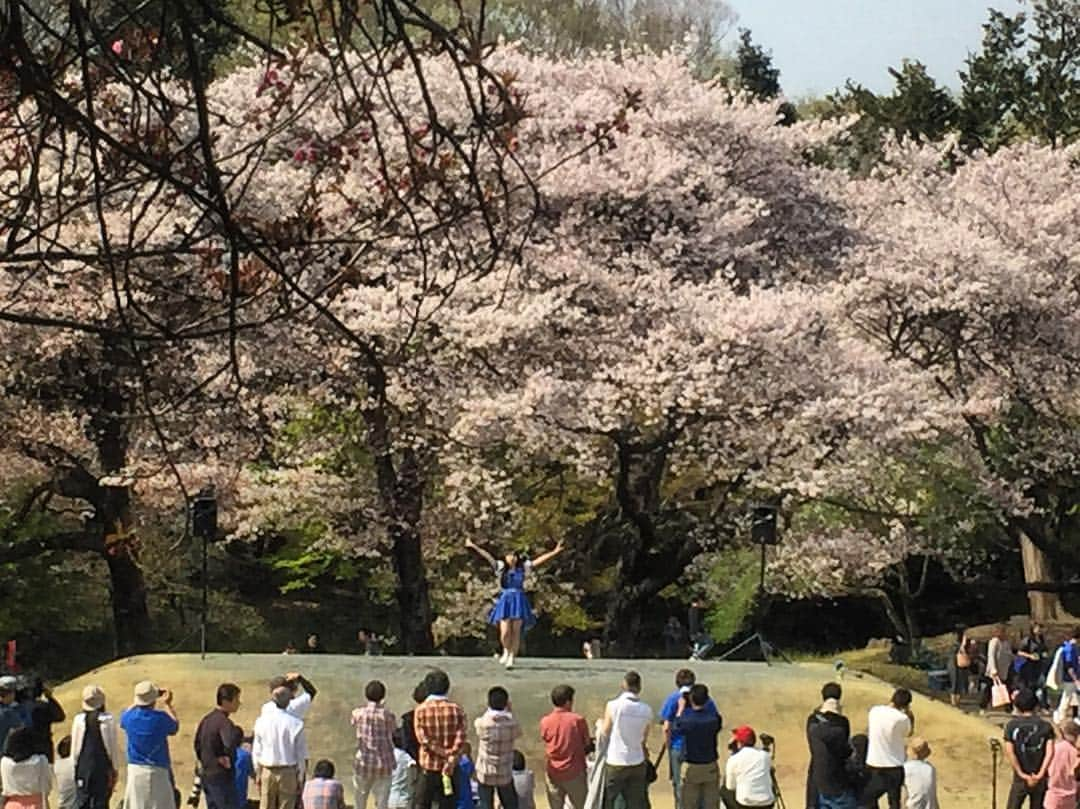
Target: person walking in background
748	780
403	779
828	734
301	694
496	732
920	777
374	761
959	666
1070	676
1061	782
94	751
323	791
626	726
1031	659
25	775
1028	747
566	744
149	782
215	749
684	681
698	727
524	782
440	733
888	728
408	725
999	656
279	750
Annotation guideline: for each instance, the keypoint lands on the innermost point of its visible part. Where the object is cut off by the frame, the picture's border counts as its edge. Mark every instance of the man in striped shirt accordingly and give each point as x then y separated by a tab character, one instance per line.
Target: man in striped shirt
440	731
496	731
374	763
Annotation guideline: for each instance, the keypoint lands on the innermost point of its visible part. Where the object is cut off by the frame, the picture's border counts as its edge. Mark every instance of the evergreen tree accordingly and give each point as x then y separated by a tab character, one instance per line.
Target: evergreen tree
756	75
995	85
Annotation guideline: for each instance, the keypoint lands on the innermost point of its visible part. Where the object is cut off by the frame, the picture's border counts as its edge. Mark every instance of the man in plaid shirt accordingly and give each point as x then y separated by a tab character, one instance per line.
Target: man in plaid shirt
440	732
497	730
374	762
323	791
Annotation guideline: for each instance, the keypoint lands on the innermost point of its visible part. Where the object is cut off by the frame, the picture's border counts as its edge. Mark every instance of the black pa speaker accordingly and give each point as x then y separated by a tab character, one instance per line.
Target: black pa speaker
204	515
763	526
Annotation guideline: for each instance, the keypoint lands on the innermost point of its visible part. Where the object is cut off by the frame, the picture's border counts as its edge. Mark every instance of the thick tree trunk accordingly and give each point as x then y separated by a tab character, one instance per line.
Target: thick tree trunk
1044	606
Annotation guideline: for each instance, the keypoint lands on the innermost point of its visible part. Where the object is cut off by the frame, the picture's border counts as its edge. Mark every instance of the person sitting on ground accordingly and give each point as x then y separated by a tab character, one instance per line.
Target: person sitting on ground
920	777
698	727
496	732
888	727
323	791
94	751
828	733
1061	782
26	776
403	781
748	780
566	745
64	771
524	782
149	772
1028	750
301	690
373	763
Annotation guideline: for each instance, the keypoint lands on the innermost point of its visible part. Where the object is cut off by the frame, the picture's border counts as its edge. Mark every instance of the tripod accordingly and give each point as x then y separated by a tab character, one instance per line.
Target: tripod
768	650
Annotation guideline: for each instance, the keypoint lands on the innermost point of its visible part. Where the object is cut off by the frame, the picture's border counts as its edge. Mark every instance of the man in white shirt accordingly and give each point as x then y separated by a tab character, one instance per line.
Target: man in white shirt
748	780
920	778
279	751
888	728
301	693
626	727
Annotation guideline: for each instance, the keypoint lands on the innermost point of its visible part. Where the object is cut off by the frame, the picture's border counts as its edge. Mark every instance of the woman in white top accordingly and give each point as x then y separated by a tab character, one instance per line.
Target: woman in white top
26	776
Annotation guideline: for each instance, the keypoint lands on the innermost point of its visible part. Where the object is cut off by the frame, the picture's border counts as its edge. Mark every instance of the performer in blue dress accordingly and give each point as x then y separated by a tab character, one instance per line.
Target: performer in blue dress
512	611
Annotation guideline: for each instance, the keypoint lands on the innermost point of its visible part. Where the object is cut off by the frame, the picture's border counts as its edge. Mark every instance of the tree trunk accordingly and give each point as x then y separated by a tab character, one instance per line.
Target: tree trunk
1044	606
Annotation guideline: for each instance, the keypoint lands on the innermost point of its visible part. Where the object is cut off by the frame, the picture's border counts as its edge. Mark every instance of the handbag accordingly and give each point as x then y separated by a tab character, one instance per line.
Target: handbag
999	695
1055	677
652	767
963	659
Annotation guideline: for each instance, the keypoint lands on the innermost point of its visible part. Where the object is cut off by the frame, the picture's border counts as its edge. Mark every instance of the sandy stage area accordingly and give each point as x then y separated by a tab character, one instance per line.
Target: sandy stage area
774	700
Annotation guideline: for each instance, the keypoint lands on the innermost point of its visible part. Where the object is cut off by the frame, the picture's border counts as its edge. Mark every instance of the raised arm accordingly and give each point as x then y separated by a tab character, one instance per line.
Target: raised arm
483	554
547	557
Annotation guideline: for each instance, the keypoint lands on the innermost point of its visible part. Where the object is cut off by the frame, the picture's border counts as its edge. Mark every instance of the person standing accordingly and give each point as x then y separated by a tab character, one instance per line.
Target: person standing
999	656
698	727
279	750
374	761
149	771
674	638
699	635
888	728
920	777
403	780
243	769
1061	783
41	711
1070	676
496	732
301	694
566	744
748	780
1028	749
94	752
684	680
11	715
626	726
1031	659
828	734
64	772
215	750
408	724
26	776
524	782
440	733
959	666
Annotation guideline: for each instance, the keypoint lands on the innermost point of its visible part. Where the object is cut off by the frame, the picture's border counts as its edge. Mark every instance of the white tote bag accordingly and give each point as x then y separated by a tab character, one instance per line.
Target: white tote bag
1056	674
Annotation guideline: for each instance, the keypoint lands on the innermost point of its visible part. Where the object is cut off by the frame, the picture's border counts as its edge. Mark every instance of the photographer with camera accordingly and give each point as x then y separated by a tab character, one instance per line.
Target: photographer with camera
698	726
888	727
11	714
40	712
748	777
148	728
828	732
301	692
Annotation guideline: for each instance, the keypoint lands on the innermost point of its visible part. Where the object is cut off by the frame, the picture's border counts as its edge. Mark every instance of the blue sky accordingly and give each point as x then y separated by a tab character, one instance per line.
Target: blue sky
819	44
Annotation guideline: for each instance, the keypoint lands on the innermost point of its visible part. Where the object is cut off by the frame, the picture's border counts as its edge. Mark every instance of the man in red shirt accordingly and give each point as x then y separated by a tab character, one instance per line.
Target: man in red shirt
566	741
440	732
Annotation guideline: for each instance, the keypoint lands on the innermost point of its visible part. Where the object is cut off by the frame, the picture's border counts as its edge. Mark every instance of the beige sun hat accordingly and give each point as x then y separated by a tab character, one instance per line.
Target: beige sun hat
93	698
146	693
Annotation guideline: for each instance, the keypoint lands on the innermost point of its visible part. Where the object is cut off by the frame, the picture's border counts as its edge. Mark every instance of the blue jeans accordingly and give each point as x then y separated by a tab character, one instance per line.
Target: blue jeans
675	767
845	800
220	792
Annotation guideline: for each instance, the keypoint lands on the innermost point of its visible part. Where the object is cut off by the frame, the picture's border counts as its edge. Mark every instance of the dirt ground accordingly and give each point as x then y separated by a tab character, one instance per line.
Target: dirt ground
773	700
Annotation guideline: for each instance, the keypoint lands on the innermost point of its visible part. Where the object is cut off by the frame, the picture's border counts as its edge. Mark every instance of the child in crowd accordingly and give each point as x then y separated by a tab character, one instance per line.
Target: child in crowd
323	791
244	772
1061	780
920	777
466	797
64	770
524	782
403	779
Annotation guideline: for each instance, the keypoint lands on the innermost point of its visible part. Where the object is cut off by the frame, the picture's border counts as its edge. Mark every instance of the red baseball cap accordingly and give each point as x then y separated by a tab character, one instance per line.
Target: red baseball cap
744	734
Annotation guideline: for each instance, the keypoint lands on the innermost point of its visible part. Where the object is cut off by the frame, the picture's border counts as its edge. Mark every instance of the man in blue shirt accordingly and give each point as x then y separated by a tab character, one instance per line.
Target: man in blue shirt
1070	677
697	727
149	773
11	713
684	680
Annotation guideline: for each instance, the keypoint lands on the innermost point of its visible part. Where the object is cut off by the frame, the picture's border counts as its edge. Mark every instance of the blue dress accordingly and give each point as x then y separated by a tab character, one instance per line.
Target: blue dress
512	604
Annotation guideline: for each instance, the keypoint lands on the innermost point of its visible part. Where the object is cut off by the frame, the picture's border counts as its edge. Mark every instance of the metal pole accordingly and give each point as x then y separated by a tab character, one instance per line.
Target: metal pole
205	600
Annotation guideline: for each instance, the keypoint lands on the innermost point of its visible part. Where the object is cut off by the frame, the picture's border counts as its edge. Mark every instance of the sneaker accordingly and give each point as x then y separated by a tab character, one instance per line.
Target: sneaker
509	662
504	657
